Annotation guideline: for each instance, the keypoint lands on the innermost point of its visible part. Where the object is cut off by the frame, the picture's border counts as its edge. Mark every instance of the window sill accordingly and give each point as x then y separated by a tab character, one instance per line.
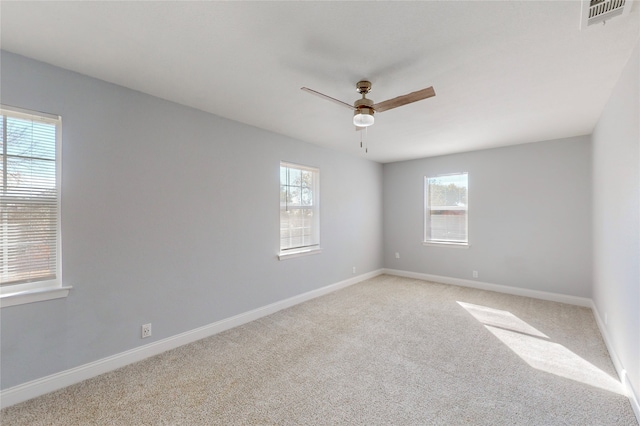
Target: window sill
30	296
292	255
446	244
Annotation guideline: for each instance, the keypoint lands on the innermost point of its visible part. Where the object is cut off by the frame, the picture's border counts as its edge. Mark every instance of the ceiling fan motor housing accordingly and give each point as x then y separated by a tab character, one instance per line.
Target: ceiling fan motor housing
363	105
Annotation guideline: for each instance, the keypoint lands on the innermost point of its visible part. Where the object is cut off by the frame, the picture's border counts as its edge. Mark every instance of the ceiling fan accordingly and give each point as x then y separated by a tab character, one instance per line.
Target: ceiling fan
363	109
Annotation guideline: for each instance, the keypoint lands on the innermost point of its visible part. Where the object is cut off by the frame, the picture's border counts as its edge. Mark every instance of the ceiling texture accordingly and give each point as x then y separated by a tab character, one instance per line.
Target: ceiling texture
504	72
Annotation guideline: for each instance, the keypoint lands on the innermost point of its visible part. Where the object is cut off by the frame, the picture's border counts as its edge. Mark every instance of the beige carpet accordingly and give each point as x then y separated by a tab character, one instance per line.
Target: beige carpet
387	351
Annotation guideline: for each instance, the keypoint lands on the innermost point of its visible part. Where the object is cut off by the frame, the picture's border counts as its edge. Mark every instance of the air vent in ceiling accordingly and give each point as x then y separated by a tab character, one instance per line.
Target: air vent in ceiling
596	11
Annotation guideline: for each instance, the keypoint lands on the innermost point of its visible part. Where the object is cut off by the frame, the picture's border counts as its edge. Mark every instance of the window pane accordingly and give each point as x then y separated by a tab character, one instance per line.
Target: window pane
448	190
446	215
30	175
299	219
306	197
31	139
448	225
306	178
29	200
293	195
294	176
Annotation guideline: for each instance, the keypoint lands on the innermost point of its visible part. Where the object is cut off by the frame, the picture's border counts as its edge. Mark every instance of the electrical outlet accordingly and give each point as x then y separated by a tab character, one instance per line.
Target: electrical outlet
354	270
397	255
146	330
475	274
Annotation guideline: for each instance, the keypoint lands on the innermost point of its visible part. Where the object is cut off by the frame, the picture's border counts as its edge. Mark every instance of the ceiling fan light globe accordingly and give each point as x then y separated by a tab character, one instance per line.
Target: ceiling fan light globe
363	120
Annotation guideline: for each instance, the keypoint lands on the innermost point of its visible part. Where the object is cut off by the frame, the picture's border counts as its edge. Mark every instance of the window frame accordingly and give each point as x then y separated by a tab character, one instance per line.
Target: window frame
297	251
40	290
426	238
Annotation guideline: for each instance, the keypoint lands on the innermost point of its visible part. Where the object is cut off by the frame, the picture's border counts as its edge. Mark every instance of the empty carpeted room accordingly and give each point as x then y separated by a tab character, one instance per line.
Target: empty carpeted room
320	212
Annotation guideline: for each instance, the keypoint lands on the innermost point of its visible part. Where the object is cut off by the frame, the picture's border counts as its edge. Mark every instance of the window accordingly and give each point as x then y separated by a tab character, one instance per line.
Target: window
446	208
299	209
29	207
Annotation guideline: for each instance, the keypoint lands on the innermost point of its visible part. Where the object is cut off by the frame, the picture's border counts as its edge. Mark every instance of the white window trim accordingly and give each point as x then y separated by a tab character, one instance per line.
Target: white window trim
18	294
293	253
446	244
34	295
441	243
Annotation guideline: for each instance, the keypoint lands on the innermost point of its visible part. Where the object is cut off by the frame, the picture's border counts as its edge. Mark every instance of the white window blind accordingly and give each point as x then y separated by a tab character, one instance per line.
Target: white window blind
299	208
446	209
29	216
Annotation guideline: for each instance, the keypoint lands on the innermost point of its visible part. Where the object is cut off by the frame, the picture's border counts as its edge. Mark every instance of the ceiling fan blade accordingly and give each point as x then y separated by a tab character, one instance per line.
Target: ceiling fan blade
329	98
404	99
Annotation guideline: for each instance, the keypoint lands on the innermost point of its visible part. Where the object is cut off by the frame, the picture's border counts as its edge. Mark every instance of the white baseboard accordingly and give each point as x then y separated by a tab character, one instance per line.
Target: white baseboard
622	372
74	375
536	294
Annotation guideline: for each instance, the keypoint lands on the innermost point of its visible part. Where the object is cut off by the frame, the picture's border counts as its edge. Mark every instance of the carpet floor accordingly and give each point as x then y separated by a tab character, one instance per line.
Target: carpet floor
386	351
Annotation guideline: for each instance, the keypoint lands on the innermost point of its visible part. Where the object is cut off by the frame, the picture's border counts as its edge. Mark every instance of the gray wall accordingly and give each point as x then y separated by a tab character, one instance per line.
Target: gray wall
529	216
170	216
616	211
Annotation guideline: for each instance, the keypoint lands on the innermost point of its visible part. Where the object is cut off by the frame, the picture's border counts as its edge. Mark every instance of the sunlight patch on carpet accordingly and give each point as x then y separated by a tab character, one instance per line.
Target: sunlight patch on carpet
501	319
535	348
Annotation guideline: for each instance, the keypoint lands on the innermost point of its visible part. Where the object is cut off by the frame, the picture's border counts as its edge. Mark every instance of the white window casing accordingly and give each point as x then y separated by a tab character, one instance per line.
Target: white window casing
30	246
446	209
299	210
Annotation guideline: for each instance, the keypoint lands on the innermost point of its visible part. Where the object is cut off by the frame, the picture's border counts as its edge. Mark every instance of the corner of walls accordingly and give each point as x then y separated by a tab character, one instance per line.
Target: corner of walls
632	394
616	226
529	217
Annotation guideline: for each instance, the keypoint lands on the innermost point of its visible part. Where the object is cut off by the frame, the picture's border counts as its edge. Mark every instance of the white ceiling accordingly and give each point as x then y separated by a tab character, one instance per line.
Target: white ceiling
504	72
